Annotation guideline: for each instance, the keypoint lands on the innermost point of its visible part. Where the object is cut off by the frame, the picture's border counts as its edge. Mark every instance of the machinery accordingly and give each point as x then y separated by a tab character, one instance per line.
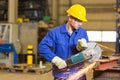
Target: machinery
7	46
92	53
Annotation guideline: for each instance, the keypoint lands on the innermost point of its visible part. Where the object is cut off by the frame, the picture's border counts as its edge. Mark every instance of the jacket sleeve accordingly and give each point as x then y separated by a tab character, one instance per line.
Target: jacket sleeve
46	45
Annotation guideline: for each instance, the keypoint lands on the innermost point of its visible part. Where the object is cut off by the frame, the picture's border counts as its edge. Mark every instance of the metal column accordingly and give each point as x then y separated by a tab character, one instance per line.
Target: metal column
118	27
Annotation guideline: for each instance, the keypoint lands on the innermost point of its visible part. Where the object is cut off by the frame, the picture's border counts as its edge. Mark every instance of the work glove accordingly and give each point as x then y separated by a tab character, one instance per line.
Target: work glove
60	63
82	44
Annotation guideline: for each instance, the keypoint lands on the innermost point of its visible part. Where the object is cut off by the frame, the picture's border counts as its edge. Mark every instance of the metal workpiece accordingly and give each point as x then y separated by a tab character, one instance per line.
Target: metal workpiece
108	68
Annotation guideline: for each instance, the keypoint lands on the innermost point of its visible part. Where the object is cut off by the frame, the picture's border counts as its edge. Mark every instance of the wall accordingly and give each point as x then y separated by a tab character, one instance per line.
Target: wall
28	36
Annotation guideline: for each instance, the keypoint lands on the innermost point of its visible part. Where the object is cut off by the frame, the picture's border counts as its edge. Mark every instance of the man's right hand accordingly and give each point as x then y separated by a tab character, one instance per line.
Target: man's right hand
60	63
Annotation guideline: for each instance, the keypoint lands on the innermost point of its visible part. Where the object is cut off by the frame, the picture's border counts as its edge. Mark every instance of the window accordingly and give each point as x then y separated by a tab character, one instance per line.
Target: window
102	36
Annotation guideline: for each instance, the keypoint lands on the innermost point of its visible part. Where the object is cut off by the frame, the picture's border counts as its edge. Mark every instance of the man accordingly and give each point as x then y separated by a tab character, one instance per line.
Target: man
61	43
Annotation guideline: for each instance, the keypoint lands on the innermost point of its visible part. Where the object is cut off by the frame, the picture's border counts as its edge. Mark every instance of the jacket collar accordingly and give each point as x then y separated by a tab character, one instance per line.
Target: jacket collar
64	30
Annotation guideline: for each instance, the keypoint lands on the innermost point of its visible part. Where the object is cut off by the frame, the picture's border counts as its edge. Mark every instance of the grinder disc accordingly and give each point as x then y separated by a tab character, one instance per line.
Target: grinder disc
97	51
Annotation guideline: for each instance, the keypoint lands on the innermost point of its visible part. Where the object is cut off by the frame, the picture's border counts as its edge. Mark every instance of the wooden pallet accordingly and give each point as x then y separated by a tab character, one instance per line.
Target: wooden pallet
20	67
3	67
25	68
39	70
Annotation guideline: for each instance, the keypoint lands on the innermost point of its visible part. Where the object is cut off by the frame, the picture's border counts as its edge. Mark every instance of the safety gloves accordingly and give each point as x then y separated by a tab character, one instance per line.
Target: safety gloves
60	63
82	44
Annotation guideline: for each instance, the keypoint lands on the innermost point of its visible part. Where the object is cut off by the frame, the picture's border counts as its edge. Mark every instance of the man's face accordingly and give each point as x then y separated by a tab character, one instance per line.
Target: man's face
74	22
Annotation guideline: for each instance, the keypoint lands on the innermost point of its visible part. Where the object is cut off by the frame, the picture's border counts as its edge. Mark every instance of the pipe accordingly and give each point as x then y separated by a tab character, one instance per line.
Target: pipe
106	47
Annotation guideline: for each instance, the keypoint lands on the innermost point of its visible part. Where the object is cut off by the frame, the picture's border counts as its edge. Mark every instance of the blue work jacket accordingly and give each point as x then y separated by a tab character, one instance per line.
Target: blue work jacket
58	42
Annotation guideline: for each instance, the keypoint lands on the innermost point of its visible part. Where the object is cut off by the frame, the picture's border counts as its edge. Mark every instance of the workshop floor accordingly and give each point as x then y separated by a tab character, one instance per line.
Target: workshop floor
4	75
19	75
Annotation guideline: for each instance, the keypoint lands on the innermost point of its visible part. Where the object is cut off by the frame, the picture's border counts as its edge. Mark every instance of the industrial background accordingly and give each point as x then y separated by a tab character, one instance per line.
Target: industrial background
23	23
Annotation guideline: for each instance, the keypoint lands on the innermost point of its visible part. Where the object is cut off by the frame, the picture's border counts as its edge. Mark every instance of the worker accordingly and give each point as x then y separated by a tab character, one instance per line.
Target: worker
61	43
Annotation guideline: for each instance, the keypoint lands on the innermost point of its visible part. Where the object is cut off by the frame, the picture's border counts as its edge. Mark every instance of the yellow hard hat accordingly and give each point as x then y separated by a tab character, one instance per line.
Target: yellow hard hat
78	11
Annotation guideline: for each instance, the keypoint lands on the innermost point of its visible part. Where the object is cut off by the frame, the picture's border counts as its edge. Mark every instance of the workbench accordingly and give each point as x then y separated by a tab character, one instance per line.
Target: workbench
108	69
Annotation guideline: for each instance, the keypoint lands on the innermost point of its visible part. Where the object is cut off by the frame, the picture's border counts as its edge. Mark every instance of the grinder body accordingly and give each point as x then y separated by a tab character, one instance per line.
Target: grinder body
79	57
92	53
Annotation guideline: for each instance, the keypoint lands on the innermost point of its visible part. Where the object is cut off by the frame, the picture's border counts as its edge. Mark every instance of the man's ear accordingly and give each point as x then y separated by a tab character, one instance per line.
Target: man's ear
69	17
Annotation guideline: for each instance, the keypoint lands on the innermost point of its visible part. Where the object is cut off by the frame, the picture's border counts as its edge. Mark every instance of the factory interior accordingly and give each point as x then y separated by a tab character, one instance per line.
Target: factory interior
24	23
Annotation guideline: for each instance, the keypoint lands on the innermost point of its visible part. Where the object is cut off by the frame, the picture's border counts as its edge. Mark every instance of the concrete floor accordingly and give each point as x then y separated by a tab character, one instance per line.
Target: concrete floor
19	75
4	75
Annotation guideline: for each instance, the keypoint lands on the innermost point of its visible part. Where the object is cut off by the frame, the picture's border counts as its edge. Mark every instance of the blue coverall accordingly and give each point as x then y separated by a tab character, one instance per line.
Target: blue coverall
58	42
